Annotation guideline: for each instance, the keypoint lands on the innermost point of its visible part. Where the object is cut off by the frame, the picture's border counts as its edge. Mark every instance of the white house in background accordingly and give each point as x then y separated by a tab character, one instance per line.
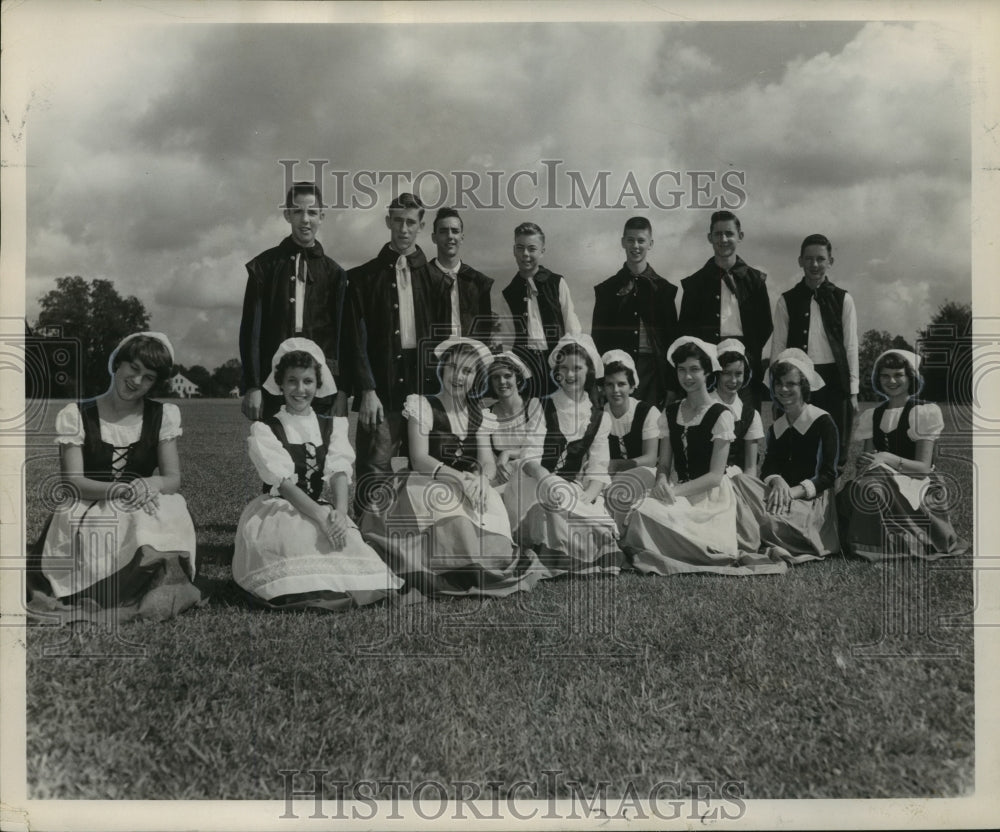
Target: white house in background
182	387
235	392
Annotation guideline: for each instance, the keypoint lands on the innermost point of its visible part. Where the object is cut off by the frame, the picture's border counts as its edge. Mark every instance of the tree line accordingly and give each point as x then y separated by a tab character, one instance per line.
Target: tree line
81	322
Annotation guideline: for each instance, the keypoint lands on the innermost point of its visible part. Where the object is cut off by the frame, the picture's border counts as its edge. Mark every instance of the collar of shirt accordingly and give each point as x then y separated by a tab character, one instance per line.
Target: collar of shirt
388	257
290	247
451	273
810	413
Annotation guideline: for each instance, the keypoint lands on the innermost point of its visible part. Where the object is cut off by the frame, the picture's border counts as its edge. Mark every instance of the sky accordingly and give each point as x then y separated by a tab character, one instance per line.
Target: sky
155	151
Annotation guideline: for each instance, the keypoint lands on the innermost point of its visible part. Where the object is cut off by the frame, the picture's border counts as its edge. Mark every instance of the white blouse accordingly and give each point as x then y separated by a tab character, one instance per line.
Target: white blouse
926	422
573	417
416	407
274	463
621	425
518	432
69	427
756	429
724	427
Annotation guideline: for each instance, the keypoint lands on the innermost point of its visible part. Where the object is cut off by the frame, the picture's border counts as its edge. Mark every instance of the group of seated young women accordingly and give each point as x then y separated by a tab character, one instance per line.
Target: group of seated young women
500	490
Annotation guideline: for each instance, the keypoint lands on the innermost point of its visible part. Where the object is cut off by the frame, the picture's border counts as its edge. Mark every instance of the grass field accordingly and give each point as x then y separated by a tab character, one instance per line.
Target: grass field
838	679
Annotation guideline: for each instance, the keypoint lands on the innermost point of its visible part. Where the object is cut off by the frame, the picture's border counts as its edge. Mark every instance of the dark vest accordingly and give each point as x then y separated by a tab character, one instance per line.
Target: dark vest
516	295
560	456
737	447
446	447
308	477
696	459
141	457
830	300
896	441
629	446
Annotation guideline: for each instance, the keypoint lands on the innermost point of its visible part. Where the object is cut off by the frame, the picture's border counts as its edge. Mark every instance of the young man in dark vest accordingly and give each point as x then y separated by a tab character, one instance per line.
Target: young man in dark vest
401	307
635	311
820	318
540	305
726	298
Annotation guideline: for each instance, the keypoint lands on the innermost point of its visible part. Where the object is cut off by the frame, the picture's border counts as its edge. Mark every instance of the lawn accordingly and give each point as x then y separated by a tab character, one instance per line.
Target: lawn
838	679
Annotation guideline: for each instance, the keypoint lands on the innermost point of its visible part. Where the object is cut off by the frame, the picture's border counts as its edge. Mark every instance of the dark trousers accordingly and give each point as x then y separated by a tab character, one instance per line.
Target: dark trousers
835	400
541	383
650	385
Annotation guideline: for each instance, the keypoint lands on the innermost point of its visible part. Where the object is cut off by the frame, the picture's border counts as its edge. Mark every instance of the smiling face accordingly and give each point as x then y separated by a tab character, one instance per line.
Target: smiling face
815	260
787	390
691	375
637	242
617	390
305	218
298	385
571	373
724	238
404	225
503	382
894	382
528	251
457	372
133	380
731	378
448	236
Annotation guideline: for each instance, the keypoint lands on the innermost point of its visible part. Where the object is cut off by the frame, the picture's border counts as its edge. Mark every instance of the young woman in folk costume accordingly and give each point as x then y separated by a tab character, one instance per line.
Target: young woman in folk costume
555	500
293	548
634	438
441	526
898	505
519	419
123	542
688	521
792	500
734	377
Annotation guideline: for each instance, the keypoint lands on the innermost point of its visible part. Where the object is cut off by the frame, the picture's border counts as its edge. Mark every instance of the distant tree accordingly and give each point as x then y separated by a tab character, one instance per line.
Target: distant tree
227	376
96	317
203	378
945	346
873	343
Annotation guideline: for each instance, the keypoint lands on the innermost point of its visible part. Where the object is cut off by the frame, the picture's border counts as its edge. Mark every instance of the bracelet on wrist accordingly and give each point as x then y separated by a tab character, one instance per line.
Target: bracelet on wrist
440	465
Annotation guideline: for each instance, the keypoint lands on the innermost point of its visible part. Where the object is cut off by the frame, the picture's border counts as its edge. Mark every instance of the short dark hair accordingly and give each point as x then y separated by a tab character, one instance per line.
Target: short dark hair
691	350
894	361
299	360
816	240
443	214
620	367
152	352
303	188
637	224
724	216
527	228
782	369
730	356
407	201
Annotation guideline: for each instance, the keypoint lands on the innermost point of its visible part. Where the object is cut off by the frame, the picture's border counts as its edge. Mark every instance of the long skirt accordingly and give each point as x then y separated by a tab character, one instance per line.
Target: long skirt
891	515
566	534
440	544
284	560
693	535
626	491
108	558
807	531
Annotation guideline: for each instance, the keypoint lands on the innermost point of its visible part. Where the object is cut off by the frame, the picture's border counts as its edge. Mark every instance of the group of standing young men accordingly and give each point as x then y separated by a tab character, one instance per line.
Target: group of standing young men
378	323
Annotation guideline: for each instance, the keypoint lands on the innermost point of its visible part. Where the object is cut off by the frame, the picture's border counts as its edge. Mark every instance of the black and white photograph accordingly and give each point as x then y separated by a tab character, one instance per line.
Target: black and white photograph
555	414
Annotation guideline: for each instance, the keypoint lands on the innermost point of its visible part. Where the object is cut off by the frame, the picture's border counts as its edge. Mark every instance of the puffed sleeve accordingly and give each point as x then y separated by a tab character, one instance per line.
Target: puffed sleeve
865	429
339	453
926	422
417	408
756	429
725	427
600	454
651	427
269	456
69	426
170	425
663	426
